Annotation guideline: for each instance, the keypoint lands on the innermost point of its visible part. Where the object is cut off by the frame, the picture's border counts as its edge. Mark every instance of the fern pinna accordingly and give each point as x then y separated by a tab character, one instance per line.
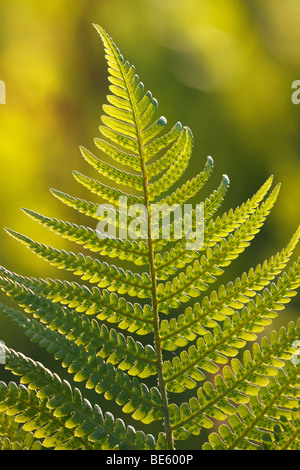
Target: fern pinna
155	336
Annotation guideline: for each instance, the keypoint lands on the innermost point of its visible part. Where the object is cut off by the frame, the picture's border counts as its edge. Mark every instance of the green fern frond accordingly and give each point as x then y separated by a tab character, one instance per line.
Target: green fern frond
216	347
78	356
197	277
112	336
222	304
215	230
239	385
13	436
107	343
59	416
103	304
124	249
117	280
112	195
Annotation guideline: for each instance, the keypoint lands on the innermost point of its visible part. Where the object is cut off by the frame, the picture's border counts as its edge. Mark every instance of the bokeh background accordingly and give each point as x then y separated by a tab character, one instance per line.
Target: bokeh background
225	69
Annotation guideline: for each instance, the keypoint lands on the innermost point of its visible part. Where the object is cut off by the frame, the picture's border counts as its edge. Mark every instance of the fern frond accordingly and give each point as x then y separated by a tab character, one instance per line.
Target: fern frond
116	280
129	354
135	128
215	347
95	331
214	231
59	416
82	361
198	276
13	437
126	179
237	386
105	305
223	303
112	195
123	249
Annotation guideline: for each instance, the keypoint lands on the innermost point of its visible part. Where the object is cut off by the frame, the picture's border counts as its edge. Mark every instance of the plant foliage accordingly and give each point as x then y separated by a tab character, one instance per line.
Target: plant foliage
157	336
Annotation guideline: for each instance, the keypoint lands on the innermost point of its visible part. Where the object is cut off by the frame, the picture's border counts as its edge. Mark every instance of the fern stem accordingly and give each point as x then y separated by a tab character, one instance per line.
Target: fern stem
158	350
157	339
7	430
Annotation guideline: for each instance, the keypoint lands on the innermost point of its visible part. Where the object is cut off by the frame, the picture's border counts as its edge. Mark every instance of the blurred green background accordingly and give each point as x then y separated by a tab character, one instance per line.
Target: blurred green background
225	69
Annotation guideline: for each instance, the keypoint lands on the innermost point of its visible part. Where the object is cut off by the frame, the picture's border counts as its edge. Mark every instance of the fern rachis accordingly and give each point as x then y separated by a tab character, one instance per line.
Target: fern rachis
99	327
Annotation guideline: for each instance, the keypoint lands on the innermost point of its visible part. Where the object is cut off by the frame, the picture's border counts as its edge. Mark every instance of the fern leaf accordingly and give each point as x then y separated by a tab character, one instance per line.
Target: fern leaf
112	195
143	403
237	386
214	232
112	247
105	305
214	348
91	269
136	128
199	275
13	437
222	304
95	331
107	343
113	173
59	415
